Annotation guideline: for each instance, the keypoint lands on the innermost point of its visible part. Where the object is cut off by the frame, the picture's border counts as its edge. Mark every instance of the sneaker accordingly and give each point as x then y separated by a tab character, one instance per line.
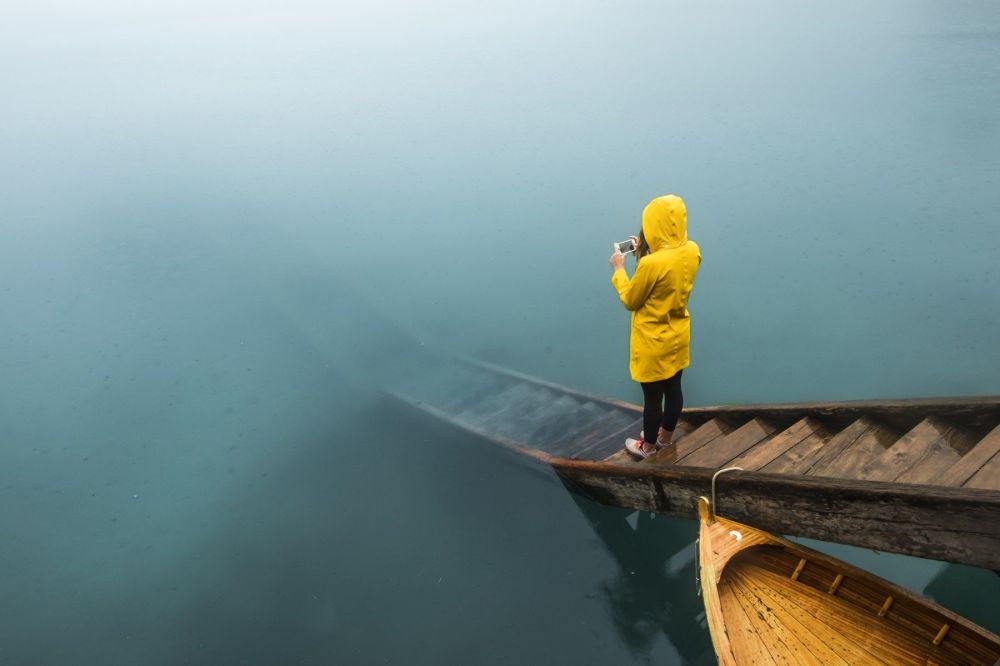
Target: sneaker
634	446
659	445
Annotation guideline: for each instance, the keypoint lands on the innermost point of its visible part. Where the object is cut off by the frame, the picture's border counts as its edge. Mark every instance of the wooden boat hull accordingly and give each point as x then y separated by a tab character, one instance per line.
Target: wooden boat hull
918	477
914	476
770	601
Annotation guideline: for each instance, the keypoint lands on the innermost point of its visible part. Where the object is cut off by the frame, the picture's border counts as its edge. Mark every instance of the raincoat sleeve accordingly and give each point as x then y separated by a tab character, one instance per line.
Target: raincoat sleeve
634	292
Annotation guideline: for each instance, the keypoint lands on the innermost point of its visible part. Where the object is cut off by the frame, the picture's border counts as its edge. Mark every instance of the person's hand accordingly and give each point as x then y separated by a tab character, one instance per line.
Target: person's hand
617	260
635	241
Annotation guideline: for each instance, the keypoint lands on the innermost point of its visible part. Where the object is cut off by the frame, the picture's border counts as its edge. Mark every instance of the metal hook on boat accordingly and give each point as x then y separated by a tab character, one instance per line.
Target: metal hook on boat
714	477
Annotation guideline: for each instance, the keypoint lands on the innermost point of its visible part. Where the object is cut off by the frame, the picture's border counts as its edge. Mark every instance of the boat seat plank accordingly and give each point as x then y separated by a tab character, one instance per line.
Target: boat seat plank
506	411
981	454
909	614
798	458
885	639
845	454
751	433
702	436
556	420
606	438
905	612
578	440
764	454
940	455
987	478
923	441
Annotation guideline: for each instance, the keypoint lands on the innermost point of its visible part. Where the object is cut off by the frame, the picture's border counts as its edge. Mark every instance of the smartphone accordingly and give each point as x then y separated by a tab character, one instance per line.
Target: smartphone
625	247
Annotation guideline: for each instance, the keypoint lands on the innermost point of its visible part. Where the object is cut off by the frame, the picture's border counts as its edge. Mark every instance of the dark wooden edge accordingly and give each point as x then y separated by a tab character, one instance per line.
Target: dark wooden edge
849	487
949	524
947	404
980	413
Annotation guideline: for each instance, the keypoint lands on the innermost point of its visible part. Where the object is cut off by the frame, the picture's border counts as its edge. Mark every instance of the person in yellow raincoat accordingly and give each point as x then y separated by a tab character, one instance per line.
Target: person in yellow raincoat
657	295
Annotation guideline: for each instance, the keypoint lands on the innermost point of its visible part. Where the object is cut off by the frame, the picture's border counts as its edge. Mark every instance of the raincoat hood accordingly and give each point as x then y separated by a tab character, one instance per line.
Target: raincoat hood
664	222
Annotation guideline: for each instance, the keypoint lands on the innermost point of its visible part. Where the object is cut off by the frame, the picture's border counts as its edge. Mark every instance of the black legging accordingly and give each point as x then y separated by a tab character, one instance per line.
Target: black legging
663	403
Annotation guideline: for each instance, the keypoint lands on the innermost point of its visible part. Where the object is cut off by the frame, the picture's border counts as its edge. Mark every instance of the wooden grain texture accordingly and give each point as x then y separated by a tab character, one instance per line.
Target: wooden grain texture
590	439
867	593
967	467
930	441
728	447
831	649
603	444
766	452
977	413
798	458
552	423
704	435
747	646
682	430
783	646
987	478
939	456
795	640
885	642
620	456
845	454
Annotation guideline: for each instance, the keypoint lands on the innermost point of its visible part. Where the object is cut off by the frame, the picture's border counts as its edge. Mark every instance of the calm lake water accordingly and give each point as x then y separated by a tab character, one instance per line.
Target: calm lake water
224	226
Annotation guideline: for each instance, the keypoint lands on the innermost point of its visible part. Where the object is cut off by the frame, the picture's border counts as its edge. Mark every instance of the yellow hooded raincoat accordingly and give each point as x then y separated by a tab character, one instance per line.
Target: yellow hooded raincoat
658	293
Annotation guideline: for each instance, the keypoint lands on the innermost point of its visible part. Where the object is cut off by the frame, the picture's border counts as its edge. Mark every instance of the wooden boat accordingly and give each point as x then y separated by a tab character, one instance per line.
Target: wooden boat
771	601
919	477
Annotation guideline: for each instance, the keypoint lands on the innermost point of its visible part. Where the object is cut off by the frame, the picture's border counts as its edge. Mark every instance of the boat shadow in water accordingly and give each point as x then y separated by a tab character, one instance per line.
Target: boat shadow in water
968	591
653	592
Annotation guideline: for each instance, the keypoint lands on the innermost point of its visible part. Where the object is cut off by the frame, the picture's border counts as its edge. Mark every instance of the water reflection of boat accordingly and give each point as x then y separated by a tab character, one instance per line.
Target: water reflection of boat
649	594
917	477
771	601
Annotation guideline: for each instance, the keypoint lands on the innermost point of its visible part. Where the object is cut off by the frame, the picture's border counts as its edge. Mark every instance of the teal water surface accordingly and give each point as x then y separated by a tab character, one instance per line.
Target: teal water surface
220	219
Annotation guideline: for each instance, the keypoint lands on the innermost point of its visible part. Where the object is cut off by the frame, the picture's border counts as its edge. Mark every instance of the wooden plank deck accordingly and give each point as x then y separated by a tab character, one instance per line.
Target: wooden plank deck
919	477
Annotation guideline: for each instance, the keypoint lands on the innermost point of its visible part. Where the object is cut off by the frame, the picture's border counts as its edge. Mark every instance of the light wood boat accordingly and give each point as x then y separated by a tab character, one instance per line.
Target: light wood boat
771	601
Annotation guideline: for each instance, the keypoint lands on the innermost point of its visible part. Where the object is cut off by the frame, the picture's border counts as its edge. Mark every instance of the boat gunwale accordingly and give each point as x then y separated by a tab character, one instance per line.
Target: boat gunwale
854	488
824	407
641	469
671	489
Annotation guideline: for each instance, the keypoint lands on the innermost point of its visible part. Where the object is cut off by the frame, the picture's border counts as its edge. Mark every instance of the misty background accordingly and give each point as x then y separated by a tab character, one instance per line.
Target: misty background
224	225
